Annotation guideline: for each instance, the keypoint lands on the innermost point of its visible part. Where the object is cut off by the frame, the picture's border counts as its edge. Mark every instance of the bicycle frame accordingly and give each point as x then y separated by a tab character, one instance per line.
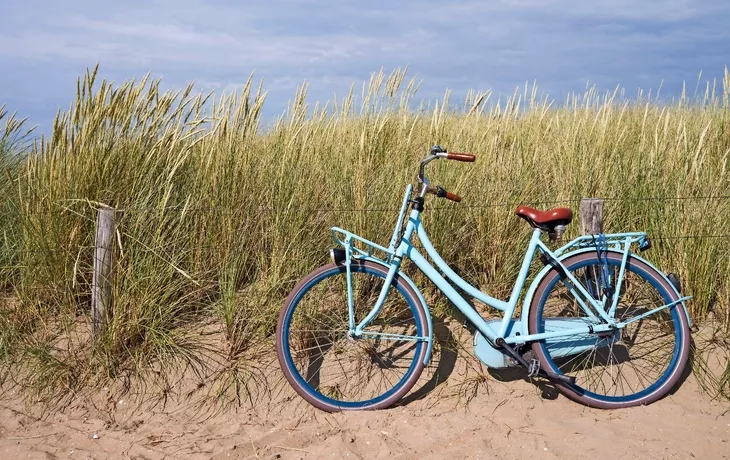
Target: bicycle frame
599	318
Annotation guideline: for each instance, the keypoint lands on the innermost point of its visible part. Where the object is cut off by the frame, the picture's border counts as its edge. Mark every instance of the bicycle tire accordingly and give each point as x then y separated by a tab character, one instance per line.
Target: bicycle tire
680	352
314	395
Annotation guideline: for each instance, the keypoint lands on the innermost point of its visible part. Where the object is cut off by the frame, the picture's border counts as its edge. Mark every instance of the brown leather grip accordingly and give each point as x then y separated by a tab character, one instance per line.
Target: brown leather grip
452	197
460	156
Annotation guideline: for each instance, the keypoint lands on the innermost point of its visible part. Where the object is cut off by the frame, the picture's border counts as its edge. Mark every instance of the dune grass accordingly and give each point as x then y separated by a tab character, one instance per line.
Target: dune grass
219	218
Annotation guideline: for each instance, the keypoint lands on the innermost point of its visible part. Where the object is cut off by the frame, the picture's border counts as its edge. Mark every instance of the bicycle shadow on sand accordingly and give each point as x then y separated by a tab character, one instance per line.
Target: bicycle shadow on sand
448	354
451	350
550	391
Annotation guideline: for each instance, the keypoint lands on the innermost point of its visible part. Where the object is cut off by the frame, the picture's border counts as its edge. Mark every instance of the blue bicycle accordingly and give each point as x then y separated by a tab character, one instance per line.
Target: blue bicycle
605	326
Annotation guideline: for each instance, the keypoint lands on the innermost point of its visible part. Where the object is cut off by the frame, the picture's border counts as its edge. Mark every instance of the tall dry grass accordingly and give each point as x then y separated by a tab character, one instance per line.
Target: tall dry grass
220	218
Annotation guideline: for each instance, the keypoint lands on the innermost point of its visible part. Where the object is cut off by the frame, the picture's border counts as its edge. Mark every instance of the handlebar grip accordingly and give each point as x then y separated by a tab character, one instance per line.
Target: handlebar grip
460	156
452	197
441	193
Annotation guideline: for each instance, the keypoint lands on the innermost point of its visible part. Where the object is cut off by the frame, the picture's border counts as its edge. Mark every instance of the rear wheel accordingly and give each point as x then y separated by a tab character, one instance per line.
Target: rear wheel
632	366
335	371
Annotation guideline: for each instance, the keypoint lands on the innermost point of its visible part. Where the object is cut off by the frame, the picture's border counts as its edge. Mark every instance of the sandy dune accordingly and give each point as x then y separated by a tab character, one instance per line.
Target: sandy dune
508	419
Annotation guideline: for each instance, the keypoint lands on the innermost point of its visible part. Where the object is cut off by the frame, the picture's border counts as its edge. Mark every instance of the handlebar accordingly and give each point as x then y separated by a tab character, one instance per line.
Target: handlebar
436	153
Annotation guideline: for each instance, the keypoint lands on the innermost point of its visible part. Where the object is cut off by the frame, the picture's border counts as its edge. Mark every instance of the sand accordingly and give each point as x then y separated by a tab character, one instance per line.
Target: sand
453	413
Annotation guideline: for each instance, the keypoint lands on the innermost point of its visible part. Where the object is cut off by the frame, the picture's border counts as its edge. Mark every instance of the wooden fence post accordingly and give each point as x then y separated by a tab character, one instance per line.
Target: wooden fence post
103	262
591	216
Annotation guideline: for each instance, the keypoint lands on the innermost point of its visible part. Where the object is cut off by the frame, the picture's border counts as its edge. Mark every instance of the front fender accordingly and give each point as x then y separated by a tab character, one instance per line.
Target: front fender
410	282
540	276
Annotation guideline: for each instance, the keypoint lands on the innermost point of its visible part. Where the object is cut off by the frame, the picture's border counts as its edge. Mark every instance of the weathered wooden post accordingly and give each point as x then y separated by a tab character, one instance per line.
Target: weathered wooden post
591	223
101	288
591	216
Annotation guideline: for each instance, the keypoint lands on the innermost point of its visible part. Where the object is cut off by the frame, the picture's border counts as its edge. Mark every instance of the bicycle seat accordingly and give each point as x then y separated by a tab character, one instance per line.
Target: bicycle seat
546	220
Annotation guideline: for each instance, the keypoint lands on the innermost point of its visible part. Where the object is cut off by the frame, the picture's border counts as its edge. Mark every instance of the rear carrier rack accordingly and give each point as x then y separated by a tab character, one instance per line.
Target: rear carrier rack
611	240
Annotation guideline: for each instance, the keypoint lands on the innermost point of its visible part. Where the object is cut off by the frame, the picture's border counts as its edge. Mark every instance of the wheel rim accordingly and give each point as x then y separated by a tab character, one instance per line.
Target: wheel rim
333	367
637	376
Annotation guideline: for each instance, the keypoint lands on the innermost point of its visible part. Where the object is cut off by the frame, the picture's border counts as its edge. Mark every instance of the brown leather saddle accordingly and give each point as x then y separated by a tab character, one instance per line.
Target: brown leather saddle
545	220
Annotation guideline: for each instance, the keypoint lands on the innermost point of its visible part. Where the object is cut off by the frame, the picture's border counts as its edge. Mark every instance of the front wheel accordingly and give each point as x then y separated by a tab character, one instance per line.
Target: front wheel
333	369
635	365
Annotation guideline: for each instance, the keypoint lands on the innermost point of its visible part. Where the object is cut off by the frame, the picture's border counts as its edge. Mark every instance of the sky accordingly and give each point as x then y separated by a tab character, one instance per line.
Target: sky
449	44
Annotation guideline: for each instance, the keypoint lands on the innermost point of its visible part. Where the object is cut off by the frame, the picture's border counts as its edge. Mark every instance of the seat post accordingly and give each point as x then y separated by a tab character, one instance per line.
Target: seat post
556	233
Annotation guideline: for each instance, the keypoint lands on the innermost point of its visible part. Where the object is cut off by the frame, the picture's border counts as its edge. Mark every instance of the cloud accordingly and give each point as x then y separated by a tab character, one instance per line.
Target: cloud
461	44
161	32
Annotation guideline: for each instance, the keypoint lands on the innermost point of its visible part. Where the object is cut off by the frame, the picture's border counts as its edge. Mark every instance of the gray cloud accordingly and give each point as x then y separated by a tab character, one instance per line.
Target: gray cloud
461	45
